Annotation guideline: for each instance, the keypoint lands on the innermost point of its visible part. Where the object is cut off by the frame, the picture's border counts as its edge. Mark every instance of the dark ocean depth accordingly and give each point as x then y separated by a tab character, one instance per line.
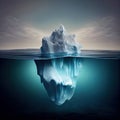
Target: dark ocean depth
96	96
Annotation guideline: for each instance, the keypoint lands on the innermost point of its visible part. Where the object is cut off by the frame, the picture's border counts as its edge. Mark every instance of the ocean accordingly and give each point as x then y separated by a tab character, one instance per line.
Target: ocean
96	95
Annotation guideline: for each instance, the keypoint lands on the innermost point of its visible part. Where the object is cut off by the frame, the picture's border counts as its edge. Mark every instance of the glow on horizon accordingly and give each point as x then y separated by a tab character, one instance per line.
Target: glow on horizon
95	35
95	23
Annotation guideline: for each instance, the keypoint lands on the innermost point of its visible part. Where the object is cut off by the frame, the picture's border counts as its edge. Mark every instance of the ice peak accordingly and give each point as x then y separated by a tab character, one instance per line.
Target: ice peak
61	28
60	42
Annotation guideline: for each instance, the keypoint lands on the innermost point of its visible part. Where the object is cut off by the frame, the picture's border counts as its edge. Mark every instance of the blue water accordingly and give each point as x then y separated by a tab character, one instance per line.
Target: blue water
96	95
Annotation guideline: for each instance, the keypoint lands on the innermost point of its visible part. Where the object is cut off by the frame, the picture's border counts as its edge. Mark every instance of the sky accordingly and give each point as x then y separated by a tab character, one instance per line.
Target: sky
23	23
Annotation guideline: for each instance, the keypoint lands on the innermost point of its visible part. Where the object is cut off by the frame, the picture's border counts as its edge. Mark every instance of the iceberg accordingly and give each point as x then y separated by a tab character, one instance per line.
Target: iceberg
59	75
60	42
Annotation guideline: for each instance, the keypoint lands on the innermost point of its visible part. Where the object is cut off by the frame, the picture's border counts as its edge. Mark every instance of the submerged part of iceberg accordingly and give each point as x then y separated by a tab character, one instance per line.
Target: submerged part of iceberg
60	42
59	77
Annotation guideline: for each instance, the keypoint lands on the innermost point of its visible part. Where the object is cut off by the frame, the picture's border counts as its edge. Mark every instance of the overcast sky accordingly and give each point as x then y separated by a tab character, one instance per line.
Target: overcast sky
95	23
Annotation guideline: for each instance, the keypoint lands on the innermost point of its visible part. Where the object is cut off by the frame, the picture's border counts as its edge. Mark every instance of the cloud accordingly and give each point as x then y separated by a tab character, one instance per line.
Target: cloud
100	34
16	34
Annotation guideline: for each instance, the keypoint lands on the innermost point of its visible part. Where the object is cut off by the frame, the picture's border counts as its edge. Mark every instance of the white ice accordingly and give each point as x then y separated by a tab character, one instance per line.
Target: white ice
59	76
60	42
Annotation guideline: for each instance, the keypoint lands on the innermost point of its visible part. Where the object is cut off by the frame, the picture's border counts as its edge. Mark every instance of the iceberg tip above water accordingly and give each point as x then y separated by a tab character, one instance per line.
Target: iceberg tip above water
60	42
